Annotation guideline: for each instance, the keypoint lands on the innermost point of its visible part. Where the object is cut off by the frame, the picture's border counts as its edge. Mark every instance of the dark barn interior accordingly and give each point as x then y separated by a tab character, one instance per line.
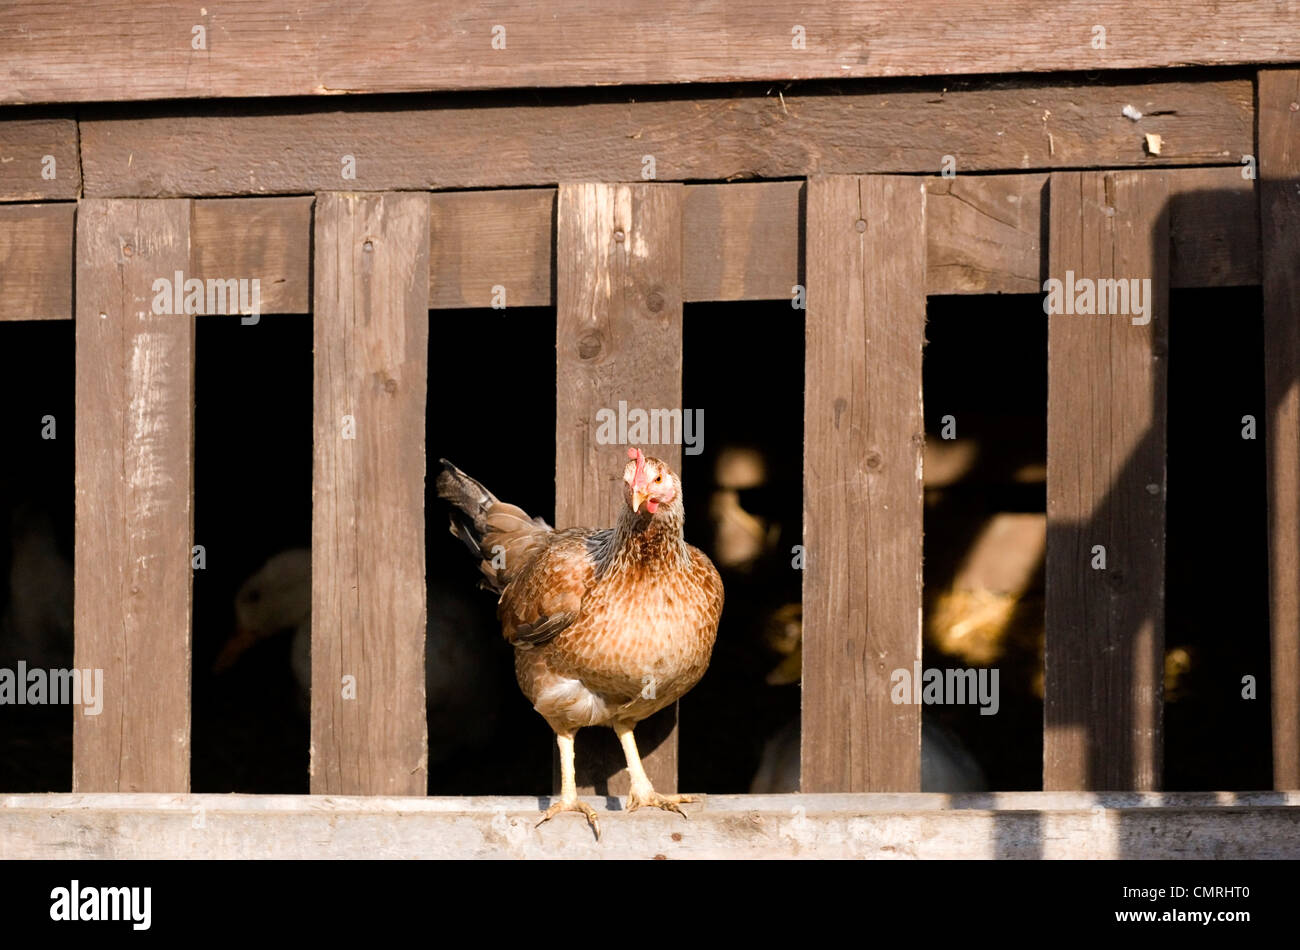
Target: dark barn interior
985	364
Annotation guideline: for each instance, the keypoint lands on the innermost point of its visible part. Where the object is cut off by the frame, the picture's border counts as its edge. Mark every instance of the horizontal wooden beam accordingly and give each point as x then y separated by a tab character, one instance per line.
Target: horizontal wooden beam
1207	825
986	232
715	135
146	49
36	260
491	247
38	158
741	242
253	238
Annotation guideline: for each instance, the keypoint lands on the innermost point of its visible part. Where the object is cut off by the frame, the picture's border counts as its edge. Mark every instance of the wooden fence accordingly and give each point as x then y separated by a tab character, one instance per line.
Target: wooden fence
865	224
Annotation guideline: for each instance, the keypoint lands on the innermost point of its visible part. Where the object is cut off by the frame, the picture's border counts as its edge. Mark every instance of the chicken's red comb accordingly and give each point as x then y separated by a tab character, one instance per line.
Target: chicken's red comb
639	477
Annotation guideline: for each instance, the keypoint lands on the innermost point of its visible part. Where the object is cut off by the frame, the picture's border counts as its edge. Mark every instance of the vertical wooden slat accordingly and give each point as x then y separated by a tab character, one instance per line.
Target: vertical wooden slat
371	333
1106	487
134	497
1279	196
618	338
863	438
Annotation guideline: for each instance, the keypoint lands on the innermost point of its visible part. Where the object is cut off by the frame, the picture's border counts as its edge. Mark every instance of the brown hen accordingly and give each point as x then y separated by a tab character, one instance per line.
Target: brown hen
608	626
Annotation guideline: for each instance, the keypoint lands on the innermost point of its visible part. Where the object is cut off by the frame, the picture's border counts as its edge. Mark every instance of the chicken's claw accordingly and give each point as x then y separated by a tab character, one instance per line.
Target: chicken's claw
653	799
575	804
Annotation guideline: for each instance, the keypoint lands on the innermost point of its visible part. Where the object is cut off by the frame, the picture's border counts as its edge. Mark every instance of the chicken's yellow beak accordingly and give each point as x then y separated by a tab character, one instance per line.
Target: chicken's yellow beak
638	498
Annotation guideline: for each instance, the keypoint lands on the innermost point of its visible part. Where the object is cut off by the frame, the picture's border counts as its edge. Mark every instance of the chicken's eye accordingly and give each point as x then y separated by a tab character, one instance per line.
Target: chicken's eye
659	479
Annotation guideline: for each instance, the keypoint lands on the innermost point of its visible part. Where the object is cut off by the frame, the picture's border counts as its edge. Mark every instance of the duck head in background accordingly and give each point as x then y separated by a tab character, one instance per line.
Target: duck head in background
274	599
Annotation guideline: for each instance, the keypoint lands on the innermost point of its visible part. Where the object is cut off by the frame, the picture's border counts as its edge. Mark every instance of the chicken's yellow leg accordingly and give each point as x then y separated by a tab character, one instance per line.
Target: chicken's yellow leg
642	792
569	800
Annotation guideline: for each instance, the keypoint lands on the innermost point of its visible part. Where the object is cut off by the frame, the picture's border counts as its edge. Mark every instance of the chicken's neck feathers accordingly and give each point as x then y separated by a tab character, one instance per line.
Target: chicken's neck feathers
641	539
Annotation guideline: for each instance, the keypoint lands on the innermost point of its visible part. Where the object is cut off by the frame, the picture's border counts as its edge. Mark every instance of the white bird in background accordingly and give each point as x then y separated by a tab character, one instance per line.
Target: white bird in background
37	622
461	689
274	599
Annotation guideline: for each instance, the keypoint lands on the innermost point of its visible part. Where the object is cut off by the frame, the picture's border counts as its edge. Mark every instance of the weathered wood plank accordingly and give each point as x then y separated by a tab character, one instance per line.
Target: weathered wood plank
985	231
863	436
144	50
983	237
716	136
742	241
1279	194
1212	214
618	338
38	158
984	234
371	334
134	497
1206	825
36	243
482	241
1104	658
249	238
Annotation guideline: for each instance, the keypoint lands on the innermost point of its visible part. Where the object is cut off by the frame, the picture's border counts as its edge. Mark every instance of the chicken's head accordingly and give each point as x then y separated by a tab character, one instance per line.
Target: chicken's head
650	482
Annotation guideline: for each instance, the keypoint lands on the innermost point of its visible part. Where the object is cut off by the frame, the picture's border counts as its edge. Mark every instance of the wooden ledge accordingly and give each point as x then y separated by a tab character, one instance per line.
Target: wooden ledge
1002	825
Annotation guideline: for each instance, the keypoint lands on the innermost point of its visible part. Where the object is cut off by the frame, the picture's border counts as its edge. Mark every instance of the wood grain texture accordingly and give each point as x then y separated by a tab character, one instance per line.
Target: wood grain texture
1205	825
134	498
371	335
36	242
618	339
247	238
484	240
1279	197
863	438
144	49
986	231
1104	660
602	135
742	241
984	234
26	148
1212	214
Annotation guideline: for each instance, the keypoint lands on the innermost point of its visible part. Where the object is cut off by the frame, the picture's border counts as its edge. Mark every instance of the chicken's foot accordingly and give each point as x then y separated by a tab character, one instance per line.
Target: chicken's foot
642	792
569	800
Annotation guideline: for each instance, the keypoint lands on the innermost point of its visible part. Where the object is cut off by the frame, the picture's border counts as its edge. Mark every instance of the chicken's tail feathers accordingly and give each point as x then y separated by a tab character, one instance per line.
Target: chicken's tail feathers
500	536
470	503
